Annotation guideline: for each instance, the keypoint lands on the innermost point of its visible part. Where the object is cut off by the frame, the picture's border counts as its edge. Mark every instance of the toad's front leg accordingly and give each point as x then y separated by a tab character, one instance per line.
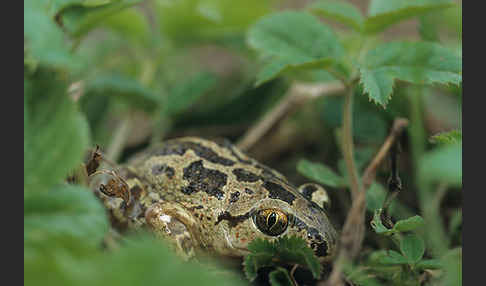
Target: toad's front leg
173	223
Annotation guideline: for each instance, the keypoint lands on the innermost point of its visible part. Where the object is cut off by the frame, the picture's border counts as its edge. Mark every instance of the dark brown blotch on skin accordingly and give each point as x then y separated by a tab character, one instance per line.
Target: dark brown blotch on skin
163	169
276	191
179	148
243	175
308	190
234	197
205	180
232	220
249	191
226	144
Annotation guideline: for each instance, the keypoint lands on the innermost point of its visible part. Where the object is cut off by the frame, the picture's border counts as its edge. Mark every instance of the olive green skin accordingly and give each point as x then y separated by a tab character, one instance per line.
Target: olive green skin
205	196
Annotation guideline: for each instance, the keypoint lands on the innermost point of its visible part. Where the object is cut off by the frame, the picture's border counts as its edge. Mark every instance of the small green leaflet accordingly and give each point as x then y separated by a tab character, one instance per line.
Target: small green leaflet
446	138
384	13
339	11
320	173
408	224
412	247
415	62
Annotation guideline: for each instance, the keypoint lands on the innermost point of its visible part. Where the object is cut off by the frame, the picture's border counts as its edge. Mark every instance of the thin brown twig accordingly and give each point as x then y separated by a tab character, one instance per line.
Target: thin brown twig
370	173
353	230
299	93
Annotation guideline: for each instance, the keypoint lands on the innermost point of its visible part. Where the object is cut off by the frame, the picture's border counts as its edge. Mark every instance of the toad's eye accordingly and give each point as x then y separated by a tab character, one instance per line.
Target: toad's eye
271	221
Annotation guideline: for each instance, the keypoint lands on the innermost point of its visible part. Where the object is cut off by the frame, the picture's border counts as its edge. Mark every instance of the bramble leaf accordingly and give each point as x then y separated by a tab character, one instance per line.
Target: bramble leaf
339	11
292	40
320	173
292	250
415	62
384	13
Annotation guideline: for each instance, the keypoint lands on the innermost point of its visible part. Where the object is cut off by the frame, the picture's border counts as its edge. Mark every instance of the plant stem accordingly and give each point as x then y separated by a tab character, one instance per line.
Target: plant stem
119	139
347	144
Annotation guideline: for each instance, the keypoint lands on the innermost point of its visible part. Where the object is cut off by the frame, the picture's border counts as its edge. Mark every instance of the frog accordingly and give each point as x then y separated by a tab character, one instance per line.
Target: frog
208	197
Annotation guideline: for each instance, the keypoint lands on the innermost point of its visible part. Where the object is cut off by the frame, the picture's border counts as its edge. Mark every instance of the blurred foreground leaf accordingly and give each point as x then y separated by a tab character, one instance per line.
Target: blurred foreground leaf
64	215
56	135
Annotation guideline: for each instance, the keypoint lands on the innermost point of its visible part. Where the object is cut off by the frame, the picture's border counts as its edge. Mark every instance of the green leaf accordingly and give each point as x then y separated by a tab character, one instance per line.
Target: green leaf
444	164
123	88
388	257
384	13
342	12
130	23
56	134
401	226
79	20
418	63
293	40
141	260
320	173
429	264
43	39
409	224
65	214
284	250
452	262
281	66
447	138
412	247
280	277
185	94
189	21
375	196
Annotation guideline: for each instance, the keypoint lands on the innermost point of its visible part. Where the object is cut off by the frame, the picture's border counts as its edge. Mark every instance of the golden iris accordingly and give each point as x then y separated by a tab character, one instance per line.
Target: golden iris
271	221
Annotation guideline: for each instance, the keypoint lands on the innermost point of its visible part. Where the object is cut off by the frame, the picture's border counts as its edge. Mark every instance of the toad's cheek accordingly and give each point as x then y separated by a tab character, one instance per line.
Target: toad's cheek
238	237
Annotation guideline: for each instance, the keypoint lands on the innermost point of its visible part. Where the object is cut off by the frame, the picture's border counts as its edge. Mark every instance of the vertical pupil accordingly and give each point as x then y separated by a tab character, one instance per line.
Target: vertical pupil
272	219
